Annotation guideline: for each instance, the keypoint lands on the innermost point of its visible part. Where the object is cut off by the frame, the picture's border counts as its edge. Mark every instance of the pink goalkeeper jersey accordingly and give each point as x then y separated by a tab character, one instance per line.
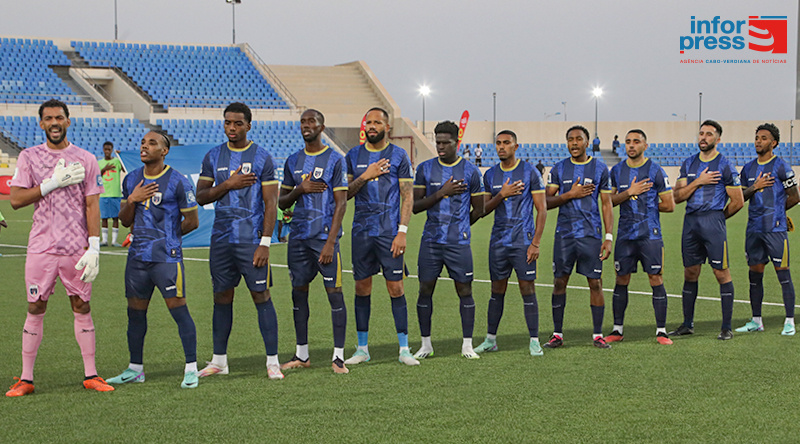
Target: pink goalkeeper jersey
59	219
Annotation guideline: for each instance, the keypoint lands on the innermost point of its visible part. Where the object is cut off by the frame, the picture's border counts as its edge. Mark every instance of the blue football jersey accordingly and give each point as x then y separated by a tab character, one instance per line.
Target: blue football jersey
513	218
638	216
767	210
712	196
378	201
157	221
448	219
580	218
313	212
239	214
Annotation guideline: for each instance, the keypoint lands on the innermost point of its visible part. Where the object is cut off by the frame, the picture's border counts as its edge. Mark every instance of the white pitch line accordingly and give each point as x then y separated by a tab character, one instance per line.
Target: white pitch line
414	276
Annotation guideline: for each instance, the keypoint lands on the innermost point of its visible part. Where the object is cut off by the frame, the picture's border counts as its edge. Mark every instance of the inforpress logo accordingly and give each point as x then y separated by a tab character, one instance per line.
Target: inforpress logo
764	33
768	34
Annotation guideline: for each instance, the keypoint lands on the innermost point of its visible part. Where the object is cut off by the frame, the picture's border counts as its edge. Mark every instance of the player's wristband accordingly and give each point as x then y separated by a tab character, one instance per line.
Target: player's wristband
94	243
265	241
402	228
609	237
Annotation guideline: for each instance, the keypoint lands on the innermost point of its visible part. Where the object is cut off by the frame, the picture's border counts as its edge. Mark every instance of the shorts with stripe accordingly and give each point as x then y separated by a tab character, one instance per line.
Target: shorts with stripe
760	248
141	278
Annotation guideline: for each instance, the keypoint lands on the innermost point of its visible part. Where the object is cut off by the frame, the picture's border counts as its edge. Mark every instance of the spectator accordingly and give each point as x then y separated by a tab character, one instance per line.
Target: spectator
478	152
540	167
615	144
595	144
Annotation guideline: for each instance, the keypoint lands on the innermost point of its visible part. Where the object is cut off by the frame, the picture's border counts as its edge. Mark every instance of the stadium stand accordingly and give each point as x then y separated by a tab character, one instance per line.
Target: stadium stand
87	133
280	138
548	153
673	154
186	76
25	76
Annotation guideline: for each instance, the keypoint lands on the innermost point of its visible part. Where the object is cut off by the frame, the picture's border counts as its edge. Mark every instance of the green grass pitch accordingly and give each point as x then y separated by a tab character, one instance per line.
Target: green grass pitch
698	390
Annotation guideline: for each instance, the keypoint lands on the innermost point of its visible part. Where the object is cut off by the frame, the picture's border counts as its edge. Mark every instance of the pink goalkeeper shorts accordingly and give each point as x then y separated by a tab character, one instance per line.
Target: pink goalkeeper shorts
41	271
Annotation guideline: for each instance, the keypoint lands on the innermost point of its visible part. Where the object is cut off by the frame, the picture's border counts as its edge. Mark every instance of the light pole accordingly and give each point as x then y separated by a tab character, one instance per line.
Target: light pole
116	28
494	115
233	12
700	112
565	110
597	92
424	91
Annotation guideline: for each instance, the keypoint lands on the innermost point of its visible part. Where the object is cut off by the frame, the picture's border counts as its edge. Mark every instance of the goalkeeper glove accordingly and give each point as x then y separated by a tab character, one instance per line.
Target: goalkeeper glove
63	176
90	261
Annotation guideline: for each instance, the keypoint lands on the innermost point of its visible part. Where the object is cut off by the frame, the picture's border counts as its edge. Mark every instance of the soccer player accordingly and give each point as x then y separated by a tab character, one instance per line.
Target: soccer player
110	168
707	179
239	176
515	187
161	204
574	187
379	177
766	224
447	187
641	188
314	179
63	182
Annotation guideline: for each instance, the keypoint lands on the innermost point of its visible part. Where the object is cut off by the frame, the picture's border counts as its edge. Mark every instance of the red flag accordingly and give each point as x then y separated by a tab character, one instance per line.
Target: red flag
462	126
362	135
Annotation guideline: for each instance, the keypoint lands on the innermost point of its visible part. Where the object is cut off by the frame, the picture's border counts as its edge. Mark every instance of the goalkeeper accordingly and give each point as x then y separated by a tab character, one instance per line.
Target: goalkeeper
64	183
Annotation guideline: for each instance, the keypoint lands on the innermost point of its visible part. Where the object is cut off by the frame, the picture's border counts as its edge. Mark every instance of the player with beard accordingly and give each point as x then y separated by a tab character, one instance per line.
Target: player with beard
515	187
641	189
576	183
314	180
767	224
64	184
446	187
379	177
239	176
707	180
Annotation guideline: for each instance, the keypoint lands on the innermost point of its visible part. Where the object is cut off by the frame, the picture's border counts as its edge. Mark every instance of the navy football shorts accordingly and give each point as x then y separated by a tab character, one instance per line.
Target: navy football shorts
141	278
503	259
585	251
303	261
373	253
229	262
628	253
705	237
760	248
457	258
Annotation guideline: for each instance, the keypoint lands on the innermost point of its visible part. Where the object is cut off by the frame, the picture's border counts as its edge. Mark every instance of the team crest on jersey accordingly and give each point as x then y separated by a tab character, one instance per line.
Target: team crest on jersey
247	168
156	199
190	199
616	265
736	181
318	171
33	290
99	180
